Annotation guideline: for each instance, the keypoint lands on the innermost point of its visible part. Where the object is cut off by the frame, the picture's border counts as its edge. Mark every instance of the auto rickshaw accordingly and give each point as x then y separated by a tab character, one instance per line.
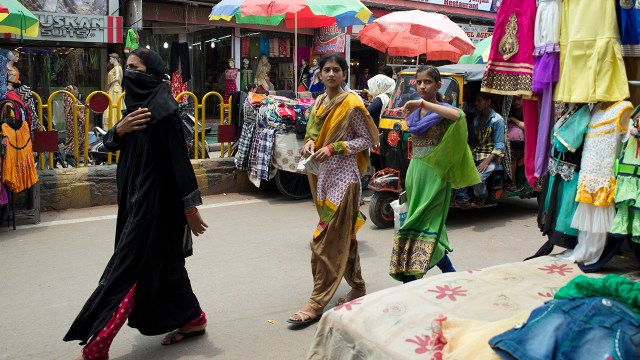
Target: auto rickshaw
394	152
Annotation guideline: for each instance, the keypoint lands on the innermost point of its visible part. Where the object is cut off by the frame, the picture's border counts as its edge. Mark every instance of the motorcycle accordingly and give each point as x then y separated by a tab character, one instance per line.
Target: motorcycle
99	154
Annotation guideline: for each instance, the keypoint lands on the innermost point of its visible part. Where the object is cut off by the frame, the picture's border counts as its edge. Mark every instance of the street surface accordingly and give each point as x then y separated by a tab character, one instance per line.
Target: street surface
250	271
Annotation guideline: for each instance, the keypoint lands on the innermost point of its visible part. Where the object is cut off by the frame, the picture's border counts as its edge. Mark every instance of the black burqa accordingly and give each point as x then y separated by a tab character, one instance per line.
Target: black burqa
156	183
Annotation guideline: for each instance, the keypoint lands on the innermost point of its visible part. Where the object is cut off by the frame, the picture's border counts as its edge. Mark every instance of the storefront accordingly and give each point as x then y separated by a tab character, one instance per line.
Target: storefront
71	49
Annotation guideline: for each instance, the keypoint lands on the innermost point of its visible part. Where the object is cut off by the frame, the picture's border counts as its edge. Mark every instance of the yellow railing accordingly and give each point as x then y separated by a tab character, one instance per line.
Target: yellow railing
199	127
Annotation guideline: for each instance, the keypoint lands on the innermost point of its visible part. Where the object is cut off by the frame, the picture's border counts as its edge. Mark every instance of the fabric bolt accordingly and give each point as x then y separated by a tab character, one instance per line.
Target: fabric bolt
230	85
180	60
628	12
261	152
576	328
597	185
510	66
18	167
245	46
530	110
264	47
591	65
98	347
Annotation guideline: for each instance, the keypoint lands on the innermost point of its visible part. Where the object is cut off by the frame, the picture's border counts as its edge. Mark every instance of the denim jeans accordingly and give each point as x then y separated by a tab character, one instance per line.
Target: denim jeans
479	189
578	328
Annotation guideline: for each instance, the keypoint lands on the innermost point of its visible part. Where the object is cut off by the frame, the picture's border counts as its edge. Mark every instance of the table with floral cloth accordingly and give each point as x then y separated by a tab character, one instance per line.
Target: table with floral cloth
396	323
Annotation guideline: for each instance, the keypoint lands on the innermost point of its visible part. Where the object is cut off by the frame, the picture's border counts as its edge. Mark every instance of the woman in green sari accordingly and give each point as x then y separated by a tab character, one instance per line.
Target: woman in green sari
440	160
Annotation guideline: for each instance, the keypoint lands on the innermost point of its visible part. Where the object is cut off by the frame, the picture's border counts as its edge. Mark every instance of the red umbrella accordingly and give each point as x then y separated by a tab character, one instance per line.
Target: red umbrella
415	32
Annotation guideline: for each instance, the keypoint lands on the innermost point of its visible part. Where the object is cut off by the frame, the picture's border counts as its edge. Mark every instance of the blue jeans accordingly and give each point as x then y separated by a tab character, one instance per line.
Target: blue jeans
578	328
479	189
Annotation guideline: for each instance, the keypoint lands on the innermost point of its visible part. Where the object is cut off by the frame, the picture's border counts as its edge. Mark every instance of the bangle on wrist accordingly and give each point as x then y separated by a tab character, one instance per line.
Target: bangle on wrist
191	213
330	148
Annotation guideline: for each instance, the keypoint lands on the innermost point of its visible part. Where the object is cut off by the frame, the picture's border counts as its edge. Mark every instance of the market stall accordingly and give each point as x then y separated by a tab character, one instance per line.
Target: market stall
270	142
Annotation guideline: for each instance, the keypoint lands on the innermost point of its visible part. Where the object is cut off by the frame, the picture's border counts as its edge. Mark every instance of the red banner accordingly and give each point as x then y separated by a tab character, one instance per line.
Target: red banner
329	39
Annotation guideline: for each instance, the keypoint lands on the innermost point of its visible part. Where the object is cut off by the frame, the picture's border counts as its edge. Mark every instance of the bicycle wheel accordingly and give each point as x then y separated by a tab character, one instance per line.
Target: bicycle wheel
295	186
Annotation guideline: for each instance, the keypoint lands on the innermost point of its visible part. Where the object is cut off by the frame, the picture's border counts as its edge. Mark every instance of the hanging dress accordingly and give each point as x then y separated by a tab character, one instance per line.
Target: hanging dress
510	64
628	24
230	85
597	185
18	170
591	65
246	78
315	84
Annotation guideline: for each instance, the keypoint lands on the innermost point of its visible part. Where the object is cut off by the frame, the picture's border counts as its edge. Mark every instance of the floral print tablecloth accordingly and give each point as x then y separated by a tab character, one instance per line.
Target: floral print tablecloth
396	323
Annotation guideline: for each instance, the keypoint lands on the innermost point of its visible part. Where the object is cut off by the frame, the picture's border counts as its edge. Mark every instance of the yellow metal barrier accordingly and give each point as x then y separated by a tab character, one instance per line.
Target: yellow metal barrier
199	113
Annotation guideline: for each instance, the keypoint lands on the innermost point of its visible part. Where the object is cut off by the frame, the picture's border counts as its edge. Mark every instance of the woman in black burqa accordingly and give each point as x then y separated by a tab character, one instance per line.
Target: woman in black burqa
145	279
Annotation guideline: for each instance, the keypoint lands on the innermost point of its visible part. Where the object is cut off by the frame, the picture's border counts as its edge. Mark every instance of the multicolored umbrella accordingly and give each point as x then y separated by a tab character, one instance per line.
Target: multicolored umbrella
480	55
310	13
18	19
415	32
295	13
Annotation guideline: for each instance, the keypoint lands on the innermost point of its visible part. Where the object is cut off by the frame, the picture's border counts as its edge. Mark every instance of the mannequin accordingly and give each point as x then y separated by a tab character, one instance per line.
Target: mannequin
246	75
231	77
315	85
303	76
12	71
114	88
262	74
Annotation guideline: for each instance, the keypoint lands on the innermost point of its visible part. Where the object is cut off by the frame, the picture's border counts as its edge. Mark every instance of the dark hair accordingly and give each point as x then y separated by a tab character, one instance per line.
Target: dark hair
250	87
387	70
433	73
339	59
484	96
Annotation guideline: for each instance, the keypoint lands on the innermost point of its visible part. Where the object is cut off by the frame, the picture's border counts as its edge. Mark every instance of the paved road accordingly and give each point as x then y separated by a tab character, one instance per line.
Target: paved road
252	266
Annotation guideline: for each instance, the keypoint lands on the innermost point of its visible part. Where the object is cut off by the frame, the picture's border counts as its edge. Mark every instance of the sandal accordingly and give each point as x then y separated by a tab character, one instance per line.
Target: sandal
173	336
310	318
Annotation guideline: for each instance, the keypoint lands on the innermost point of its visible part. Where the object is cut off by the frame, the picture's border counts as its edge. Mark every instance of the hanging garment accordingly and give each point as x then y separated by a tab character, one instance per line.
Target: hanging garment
131	41
254	48
180	57
18	170
3	76
530	110
177	86
261	152
246	78
283	47
510	64
597	184
264	46
230	85
591	65
245	46
628	12
546	70
24	92
274	51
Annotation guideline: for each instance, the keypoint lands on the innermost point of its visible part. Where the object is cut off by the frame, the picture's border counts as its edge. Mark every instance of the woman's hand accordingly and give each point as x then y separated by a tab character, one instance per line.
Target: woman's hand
196	224
322	155
309	148
134	121
411	105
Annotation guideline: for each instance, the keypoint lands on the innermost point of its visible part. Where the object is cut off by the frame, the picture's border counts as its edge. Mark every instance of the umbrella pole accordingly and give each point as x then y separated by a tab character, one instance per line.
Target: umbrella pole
295	56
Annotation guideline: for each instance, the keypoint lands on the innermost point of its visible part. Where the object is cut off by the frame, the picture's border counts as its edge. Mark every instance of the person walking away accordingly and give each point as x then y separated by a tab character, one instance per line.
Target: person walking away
440	160
339	134
487	142
145	280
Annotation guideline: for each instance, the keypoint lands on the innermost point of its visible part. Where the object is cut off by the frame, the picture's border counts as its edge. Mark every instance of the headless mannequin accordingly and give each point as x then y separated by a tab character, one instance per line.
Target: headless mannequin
231	80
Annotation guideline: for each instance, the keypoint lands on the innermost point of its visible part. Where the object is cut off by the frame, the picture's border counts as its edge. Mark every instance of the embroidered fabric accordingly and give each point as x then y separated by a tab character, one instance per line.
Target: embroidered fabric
601	146
564	169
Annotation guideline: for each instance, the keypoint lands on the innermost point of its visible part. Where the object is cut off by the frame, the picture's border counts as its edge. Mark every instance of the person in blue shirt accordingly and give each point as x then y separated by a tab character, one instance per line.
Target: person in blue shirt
487	147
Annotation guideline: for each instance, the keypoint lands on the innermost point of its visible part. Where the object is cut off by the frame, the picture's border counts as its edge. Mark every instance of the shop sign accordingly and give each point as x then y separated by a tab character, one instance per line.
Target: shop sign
477	33
79	28
480	5
328	39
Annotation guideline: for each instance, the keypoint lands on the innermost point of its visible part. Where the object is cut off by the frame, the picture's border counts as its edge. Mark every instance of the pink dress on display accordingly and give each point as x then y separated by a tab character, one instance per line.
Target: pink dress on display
230	83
